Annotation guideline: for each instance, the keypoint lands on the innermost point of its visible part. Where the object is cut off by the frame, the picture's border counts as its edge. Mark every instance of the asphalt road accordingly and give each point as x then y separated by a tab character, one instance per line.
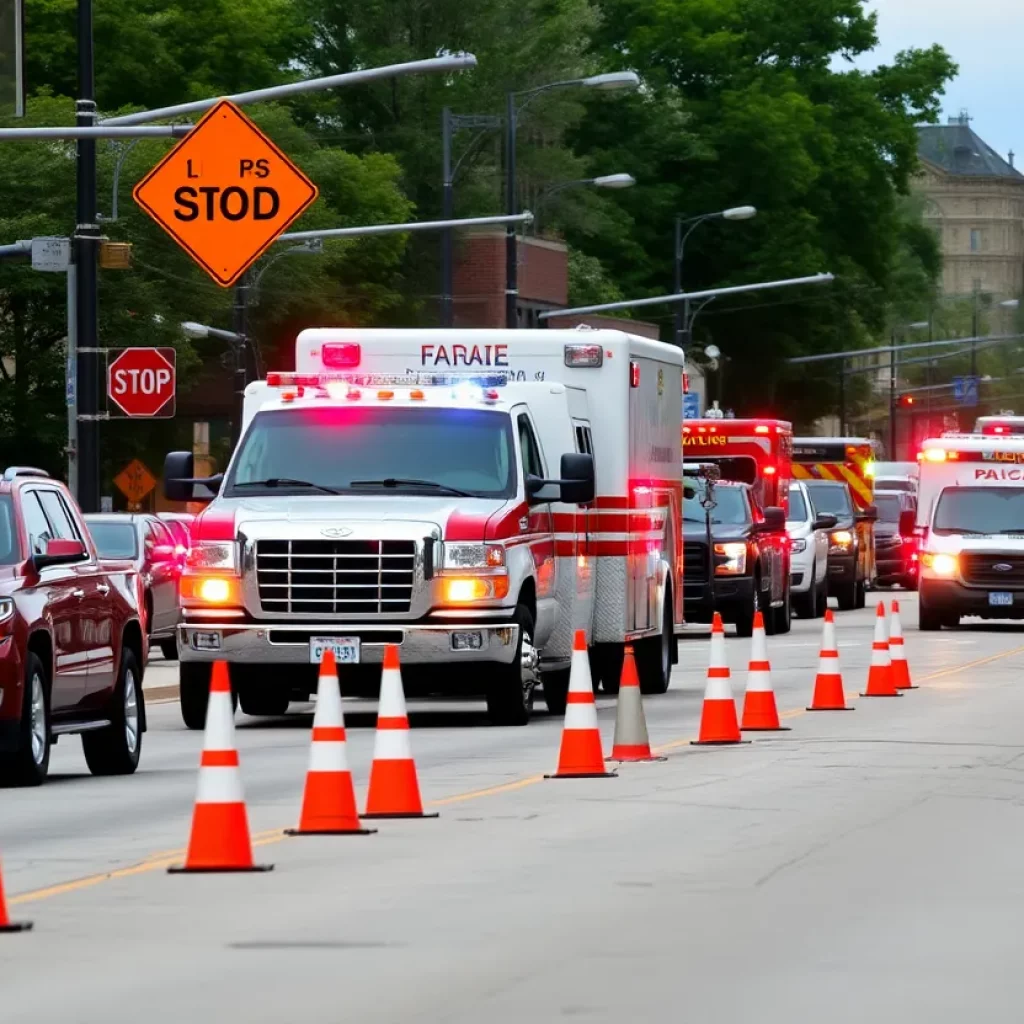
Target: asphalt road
862	866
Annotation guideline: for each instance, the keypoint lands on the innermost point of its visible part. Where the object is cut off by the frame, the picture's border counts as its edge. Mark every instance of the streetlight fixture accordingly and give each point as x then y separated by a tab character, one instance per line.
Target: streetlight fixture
609	181
683	322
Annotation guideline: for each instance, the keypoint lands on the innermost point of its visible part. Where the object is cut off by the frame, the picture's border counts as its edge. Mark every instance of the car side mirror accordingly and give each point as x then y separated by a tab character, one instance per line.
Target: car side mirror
826	521
774	519
180	479
59	552
908	521
869	514
576	483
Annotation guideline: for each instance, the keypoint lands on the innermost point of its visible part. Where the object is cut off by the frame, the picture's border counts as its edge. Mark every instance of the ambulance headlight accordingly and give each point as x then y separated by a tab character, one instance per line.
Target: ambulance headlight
458	557
734	559
940	564
219	554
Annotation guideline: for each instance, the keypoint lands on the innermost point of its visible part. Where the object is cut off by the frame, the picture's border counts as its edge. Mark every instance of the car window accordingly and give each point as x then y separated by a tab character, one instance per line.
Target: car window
797	506
528	445
830	500
36	523
58	515
160	533
10	548
113	539
889	507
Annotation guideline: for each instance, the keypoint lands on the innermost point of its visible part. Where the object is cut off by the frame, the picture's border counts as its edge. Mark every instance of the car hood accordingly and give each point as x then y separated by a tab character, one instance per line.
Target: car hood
9	579
454	517
798	530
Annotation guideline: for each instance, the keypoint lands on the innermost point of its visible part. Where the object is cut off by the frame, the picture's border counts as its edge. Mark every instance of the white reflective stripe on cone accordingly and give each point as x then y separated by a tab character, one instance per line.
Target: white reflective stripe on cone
392	745
759	681
718	688
828	665
581	716
219	786
392	699
880	658
579	673
219	733
328	756
328	704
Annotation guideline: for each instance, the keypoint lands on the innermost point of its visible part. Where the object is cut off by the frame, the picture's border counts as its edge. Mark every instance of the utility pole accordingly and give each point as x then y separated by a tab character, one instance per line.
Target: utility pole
511	253
86	256
892	398
974	334
447	205
239	324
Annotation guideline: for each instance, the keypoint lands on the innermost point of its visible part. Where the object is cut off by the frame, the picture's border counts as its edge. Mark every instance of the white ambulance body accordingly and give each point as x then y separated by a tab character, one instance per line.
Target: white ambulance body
970	520
388	491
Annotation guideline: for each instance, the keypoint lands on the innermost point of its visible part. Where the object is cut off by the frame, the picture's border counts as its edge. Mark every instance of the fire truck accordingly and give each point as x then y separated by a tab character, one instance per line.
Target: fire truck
473	496
755	452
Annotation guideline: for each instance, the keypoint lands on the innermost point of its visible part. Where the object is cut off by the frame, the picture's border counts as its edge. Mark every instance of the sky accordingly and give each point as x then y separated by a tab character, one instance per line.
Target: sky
986	39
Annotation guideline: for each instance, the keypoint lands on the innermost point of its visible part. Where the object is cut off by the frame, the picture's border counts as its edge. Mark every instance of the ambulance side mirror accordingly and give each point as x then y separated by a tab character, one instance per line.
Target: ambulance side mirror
576	483
179	479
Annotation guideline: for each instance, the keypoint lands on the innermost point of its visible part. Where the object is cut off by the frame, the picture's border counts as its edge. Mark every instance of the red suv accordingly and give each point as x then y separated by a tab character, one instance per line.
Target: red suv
72	650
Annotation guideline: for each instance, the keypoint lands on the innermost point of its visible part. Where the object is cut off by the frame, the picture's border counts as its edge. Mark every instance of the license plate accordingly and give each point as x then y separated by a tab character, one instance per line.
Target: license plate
346	649
1000	598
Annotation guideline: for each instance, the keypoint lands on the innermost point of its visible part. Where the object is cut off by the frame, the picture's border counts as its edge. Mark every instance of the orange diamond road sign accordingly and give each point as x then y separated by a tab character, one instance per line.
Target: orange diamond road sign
224	193
135	481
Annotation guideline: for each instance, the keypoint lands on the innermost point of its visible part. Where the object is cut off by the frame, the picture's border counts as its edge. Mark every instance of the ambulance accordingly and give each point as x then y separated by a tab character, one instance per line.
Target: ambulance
1004	423
755	452
970	524
473	496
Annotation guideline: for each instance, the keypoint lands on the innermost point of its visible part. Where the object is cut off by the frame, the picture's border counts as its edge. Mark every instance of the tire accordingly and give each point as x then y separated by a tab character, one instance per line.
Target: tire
805	605
846	595
30	763
556	690
821	599
860	595
782	617
608	661
194	692
169	648
511	691
261	699
654	654
116	750
745	615
929	619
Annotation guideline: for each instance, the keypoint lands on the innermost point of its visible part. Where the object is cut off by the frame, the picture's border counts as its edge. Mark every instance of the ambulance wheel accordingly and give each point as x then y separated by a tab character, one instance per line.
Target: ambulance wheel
556	690
654	654
929	619
861	595
510	693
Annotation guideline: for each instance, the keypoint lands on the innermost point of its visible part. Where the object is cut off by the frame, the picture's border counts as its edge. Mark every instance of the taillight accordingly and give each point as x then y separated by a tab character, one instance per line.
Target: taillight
634	375
341	356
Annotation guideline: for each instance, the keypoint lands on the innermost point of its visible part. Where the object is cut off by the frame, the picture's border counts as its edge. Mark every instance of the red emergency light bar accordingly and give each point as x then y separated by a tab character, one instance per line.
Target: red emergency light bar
341	356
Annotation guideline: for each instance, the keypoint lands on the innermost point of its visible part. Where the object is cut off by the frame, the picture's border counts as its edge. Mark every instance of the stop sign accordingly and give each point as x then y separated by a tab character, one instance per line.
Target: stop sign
140	381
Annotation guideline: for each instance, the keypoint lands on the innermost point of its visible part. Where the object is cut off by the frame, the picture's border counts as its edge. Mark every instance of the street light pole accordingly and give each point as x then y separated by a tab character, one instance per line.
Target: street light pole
239	324
86	255
447	205
511	254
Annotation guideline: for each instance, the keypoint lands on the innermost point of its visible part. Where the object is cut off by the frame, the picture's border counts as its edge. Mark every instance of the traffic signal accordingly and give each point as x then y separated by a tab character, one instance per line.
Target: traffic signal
906	401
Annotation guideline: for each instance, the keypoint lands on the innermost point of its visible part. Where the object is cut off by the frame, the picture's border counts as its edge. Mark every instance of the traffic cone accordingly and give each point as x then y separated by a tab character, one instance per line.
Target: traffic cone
718	716
828	684
394	789
631	742
880	680
220	825
329	801
760	713
6	924
580	755
897	652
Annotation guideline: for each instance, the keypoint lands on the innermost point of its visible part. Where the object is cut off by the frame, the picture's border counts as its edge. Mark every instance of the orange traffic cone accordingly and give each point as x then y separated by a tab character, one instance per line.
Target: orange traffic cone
760	713
828	684
6	924
718	717
897	654
880	680
329	802
394	789
631	742
580	755
220	825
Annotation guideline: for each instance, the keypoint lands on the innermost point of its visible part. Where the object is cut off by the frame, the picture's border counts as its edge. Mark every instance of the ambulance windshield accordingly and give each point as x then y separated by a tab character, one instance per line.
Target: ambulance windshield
367	450
979	510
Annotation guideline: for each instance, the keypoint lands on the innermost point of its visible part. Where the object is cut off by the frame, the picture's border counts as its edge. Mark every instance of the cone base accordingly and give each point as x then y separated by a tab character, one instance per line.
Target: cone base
402	814
881	694
718	743
184	869
912	686
634	758
584	775
831	709
329	831
766	728
17	926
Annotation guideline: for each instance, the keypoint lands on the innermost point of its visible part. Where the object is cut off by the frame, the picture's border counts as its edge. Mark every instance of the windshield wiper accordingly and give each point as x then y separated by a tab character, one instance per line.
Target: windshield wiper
287	481
402	481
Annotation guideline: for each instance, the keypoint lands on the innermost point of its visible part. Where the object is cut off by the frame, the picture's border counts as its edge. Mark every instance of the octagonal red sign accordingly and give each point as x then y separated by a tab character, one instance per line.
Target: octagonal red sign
141	382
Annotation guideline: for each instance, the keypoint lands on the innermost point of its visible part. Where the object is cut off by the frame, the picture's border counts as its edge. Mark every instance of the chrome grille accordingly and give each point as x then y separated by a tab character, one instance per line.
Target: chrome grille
979	569
317	577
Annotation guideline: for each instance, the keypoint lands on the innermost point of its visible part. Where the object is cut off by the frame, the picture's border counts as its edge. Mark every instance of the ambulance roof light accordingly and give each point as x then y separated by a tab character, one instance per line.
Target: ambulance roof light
934	455
375	380
340	355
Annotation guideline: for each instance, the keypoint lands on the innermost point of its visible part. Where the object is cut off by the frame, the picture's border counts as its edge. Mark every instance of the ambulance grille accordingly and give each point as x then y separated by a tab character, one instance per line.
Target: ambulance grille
695	561
338	577
980	570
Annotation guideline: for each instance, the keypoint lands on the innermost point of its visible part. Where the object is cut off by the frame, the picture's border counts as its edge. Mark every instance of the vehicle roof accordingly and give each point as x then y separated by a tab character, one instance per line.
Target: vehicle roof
827	483
834	440
976	442
748	421
117	517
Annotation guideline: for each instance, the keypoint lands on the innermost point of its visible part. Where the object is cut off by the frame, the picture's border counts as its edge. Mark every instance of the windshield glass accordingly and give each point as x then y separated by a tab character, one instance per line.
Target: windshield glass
9	546
889	507
114	540
731	510
982	510
797	506
830	500
467	449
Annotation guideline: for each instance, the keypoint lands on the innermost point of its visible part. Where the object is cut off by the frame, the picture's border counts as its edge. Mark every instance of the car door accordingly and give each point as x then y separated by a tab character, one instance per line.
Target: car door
540	530
770	546
96	606
163	576
64	599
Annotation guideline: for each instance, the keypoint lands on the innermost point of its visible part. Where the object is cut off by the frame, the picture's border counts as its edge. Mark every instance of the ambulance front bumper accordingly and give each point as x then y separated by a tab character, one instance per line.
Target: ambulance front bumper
289	644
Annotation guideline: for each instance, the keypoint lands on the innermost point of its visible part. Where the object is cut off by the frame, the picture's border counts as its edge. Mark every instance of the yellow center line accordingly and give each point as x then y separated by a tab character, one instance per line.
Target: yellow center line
167	858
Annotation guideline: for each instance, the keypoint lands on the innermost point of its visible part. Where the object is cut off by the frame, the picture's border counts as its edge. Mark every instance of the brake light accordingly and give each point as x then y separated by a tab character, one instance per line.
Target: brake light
338	356
634	375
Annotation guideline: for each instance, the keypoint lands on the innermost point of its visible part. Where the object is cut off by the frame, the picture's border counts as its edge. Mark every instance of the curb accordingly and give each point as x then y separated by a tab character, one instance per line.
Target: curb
160	693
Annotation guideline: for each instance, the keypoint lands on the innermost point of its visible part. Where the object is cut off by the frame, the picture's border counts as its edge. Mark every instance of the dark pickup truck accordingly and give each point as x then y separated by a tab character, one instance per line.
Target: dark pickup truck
750	555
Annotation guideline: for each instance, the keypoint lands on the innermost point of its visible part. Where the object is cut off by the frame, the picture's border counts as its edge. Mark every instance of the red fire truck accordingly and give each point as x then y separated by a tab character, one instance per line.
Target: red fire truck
757	452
